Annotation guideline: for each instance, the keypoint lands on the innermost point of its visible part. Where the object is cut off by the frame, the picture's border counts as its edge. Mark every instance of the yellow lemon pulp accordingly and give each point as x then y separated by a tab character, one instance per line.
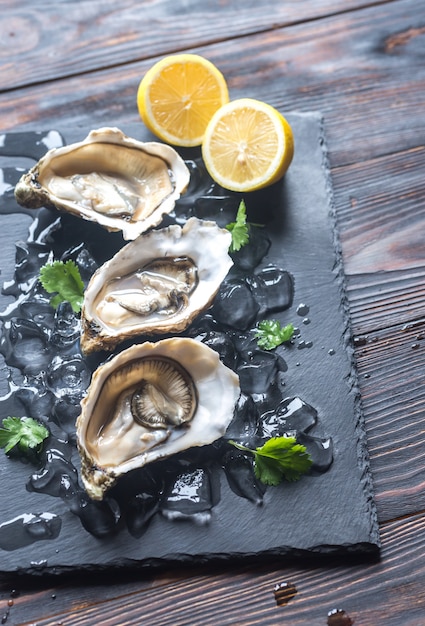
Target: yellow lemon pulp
178	96
248	145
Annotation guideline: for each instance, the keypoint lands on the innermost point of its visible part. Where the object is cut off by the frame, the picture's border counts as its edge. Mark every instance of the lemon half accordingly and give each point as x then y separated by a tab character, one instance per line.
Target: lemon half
247	145
178	96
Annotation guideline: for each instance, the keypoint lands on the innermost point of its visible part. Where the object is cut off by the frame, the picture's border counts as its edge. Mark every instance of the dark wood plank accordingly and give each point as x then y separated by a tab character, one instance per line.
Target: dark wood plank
386	593
365	84
382	299
67	38
381	221
381	213
390	367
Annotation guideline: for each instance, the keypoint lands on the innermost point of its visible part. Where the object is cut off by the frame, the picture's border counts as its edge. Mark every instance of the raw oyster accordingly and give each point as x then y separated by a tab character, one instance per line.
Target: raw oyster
149	402
109	178
155	284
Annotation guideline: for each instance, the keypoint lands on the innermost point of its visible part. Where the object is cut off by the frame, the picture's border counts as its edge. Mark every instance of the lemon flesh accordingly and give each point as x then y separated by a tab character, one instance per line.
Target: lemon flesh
248	145
178	96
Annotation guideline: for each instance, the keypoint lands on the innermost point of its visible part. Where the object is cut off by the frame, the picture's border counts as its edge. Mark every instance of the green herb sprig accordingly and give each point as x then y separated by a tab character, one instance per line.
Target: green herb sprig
278	459
270	334
24	433
239	229
63	280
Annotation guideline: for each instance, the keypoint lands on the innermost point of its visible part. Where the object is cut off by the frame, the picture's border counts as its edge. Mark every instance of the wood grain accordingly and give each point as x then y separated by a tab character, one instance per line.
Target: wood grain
381	222
71	38
382	226
385	299
390	365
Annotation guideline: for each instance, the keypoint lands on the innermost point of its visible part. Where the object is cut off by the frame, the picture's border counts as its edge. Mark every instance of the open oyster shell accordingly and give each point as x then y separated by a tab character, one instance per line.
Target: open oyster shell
149	402
155	284
109	178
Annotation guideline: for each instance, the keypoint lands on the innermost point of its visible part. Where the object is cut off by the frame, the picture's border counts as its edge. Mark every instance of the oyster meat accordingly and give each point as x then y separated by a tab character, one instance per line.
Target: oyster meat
155	284
149	402
109	178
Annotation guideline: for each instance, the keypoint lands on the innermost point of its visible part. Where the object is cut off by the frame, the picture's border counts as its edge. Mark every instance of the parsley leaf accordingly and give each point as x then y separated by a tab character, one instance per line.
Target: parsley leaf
239	229
64	280
24	432
271	334
279	458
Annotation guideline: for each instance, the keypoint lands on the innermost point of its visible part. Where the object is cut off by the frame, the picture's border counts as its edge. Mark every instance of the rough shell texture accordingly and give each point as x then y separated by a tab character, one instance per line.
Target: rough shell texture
123	300
109	178
111	442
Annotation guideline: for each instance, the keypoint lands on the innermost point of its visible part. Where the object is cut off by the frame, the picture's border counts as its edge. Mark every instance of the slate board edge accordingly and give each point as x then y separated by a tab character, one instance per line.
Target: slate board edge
363	452
346	555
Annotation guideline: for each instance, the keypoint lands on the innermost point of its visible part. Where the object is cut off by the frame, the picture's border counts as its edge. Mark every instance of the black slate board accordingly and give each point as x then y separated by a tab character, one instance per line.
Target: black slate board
331	513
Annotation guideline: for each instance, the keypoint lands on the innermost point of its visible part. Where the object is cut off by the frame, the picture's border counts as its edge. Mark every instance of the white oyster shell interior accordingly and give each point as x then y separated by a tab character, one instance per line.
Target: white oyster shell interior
109	178
189	397
155	284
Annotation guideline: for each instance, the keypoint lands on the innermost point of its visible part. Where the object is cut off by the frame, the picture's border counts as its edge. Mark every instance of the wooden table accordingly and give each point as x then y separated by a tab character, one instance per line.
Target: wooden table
362	64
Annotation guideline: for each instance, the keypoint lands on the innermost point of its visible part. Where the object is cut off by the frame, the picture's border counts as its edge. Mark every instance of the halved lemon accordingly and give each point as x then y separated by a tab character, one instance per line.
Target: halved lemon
248	145
178	96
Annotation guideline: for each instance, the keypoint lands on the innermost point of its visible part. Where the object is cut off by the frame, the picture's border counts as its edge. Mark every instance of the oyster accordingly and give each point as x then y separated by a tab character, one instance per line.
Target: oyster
109	178
155	284
149	402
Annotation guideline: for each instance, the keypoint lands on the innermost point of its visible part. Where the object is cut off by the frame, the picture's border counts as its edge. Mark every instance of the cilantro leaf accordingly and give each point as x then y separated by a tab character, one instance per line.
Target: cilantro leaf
271	334
63	280
279	458
25	433
292	457
239	229
267	471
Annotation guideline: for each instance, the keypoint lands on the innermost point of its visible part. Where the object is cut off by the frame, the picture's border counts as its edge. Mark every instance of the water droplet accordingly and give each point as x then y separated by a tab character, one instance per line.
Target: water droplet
284	592
304	344
415	346
367	376
10	602
303	309
38	565
331	351
360	341
306	321
338	617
